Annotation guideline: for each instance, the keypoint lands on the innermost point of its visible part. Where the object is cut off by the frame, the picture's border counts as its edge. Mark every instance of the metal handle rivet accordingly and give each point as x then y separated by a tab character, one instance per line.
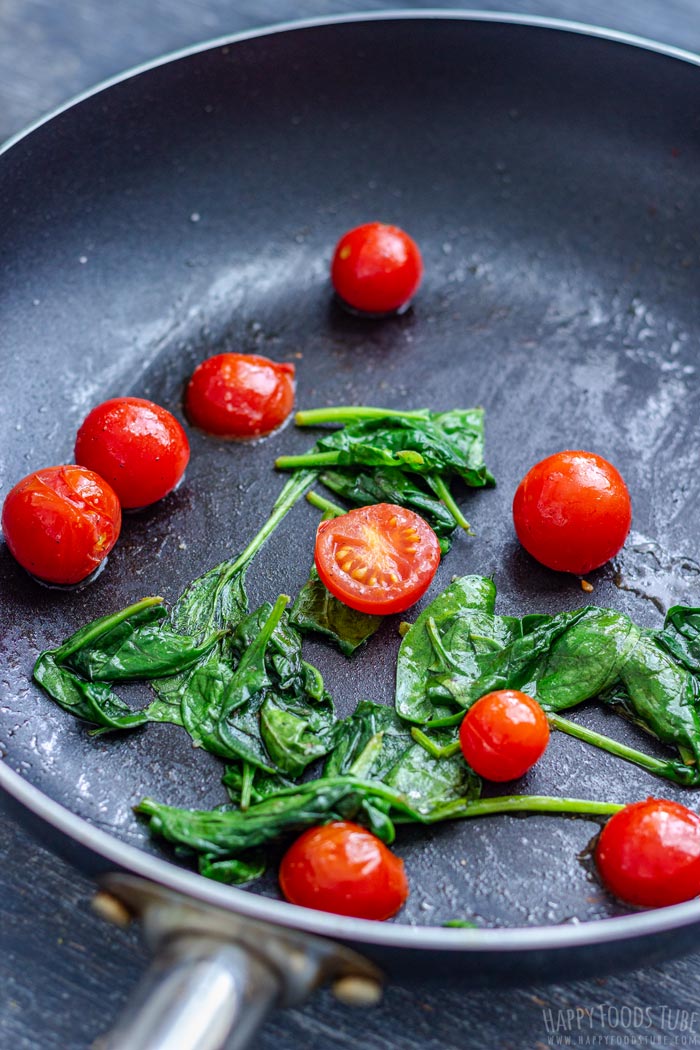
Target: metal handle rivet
111	909
357	991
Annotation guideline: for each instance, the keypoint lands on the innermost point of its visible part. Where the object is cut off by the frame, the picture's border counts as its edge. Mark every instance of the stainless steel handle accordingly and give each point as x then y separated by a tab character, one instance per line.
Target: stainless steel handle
216	974
199	994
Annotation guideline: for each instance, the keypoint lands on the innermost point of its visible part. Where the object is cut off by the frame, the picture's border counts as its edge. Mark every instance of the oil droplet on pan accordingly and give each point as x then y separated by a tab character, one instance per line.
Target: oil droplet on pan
645	568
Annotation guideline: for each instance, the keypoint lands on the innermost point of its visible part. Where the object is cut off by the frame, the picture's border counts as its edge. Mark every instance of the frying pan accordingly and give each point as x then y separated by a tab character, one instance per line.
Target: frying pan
549	173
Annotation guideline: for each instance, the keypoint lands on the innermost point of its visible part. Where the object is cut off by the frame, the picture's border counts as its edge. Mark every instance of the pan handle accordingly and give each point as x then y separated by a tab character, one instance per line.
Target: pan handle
216	974
199	994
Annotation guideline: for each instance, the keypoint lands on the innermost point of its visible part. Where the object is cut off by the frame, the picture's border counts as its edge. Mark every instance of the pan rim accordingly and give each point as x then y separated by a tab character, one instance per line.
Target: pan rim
250	905
398	15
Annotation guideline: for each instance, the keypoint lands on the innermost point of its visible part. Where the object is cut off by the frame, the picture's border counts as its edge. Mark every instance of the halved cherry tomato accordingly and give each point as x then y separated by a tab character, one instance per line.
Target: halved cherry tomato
240	395
503	734
137	446
377	559
343	868
60	523
376	268
649	853
572	511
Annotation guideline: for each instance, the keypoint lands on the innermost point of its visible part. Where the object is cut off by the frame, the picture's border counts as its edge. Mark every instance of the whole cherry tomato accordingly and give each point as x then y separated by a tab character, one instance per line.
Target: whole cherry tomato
137	446
343	868
376	268
649	853
61	523
377	559
240	395
503	734
572	511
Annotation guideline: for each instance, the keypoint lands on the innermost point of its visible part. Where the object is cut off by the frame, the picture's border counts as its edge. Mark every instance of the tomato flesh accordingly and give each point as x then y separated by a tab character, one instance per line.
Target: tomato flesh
137	446
240	395
572	511
377	559
503	734
376	268
60	523
344	869
649	853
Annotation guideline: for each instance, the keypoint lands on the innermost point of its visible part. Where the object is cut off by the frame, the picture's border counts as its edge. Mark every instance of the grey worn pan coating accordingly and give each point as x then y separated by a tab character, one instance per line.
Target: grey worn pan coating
550	177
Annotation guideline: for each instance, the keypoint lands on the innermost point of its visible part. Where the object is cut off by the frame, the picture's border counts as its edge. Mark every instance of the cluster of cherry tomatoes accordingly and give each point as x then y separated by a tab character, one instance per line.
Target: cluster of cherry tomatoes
571	512
60	523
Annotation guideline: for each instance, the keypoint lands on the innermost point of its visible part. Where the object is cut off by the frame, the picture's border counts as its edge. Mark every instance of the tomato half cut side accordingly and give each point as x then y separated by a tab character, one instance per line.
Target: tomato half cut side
60	523
377	559
343	868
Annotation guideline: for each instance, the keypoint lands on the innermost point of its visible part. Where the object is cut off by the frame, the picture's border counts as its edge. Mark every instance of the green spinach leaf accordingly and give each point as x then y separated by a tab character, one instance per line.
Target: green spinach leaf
318	611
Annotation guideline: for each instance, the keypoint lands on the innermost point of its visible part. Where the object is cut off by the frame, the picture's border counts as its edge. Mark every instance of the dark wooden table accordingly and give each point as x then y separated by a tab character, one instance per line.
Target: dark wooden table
64	974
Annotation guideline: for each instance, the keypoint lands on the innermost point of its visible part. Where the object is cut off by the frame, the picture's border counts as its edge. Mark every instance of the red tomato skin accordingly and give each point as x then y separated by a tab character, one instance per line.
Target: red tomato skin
503	734
376	268
137	446
648	854
572	511
419	558
344	869
60	523
240	395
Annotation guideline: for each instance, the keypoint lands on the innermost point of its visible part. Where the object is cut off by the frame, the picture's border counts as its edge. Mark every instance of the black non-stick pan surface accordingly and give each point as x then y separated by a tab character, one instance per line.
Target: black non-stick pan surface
550	178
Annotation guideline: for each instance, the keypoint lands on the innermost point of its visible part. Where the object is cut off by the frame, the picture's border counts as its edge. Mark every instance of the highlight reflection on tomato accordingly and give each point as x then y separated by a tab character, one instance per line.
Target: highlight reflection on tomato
60	523
377	559
344	869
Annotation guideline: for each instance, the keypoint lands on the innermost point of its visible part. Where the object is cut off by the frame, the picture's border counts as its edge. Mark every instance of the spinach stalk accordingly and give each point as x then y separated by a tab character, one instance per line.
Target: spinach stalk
291	493
487	807
442	491
678	772
436	750
313	417
330	509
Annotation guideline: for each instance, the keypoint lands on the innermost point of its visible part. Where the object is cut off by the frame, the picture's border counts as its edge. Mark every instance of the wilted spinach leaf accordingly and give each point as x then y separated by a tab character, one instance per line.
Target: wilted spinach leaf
316	610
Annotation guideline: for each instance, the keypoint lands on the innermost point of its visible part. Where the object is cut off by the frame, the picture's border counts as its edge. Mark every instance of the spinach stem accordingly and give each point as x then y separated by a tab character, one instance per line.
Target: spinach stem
675	771
442	491
365	759
327	506
237	691
351	413
485	807
309	459
436	642
85	636
248	775
687	755
292	492
431	747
